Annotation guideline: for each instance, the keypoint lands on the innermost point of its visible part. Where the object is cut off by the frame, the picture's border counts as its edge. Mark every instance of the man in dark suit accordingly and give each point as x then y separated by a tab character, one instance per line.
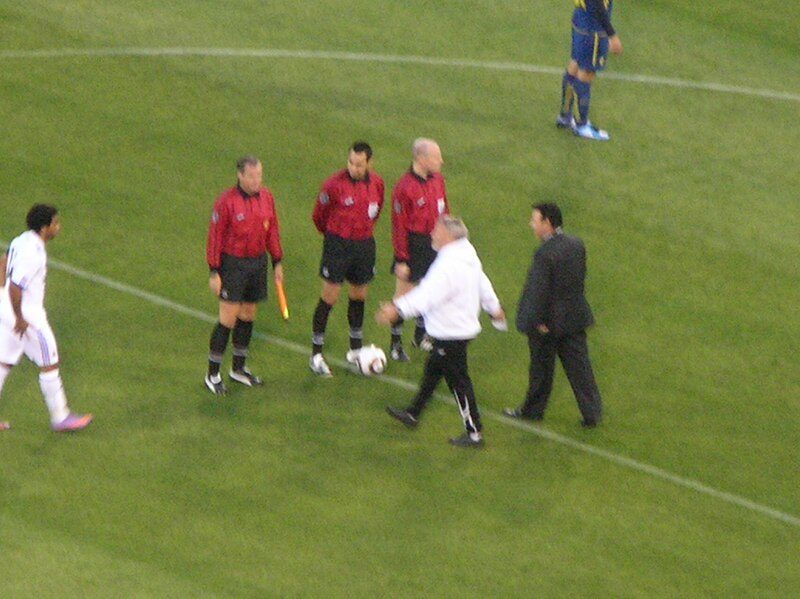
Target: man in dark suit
554	314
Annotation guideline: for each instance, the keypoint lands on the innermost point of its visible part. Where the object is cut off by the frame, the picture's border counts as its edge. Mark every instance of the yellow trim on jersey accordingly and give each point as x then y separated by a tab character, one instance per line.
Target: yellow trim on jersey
582	4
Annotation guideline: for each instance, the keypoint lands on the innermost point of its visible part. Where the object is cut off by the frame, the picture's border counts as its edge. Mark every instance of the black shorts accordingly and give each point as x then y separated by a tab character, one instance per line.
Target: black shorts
244	280
421	256
343	259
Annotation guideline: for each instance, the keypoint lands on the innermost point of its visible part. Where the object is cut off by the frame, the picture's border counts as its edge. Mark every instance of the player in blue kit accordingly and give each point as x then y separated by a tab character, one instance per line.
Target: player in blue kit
592	38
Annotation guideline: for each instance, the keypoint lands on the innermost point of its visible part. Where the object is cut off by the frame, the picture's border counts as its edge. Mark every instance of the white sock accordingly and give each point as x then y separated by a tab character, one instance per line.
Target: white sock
53	391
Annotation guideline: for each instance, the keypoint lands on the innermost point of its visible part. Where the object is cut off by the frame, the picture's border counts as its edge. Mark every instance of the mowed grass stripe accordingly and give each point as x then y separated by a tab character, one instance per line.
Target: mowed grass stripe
390	58
615	458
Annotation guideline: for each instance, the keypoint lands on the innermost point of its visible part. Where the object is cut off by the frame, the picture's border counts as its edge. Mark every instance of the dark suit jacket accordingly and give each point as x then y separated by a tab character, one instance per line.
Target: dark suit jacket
553	294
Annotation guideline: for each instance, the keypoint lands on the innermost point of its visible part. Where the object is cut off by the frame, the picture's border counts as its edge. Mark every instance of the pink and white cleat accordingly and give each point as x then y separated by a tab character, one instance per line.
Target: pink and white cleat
4	426
73	422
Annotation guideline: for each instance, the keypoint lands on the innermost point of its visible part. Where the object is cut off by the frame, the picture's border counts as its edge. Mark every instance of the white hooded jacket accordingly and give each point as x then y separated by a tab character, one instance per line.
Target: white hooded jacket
451	294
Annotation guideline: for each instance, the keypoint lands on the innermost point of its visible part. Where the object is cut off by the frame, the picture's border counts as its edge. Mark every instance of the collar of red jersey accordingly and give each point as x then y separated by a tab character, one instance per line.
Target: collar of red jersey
246	195
428	177
364	180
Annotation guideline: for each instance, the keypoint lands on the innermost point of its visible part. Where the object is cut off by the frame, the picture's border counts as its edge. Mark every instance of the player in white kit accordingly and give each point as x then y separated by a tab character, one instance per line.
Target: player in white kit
23	320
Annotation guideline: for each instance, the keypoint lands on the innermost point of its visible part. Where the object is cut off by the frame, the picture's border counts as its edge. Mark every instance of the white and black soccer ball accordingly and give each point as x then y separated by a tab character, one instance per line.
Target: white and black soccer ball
371	360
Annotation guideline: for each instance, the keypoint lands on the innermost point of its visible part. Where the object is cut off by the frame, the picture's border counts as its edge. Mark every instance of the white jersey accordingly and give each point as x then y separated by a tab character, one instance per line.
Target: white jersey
26	267
451	294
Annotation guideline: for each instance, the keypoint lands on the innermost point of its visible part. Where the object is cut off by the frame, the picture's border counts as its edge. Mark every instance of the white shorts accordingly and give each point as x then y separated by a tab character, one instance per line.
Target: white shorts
38	343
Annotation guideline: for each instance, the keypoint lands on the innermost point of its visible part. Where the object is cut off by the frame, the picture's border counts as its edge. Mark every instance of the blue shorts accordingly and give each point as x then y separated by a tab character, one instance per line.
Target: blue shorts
589	50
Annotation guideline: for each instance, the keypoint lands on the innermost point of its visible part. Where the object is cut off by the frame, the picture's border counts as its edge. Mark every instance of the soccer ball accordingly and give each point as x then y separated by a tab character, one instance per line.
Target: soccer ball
371	360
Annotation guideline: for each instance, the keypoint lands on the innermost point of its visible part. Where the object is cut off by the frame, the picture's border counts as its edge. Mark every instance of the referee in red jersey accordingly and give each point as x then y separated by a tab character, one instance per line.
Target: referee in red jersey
244	227
418	200
347	207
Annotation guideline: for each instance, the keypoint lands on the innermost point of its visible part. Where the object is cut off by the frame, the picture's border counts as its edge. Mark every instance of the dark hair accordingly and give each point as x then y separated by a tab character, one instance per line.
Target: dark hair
40	216
362	147
550	212
244	161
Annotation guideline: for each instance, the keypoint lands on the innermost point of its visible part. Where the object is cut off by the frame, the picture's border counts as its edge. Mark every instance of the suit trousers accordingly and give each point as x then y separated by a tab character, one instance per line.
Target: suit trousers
573	352
448	359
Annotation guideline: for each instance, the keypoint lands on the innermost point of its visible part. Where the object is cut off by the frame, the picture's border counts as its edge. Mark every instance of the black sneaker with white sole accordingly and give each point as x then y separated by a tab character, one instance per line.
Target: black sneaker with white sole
423	342
467	440
403	416
215	384
245	377
398	354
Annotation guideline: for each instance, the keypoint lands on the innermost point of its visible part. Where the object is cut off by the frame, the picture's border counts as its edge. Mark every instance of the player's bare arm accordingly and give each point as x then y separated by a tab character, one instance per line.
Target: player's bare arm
15	294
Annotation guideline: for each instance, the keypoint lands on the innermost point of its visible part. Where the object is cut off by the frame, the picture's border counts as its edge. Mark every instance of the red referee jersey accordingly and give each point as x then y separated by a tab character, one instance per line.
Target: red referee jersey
416	205
349	208
243	226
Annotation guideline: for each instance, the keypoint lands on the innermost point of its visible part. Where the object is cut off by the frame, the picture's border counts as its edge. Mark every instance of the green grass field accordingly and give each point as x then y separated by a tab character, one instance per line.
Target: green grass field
306	488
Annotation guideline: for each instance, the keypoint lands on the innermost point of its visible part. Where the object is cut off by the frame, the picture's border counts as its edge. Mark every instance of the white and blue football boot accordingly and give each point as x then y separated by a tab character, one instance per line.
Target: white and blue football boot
589	131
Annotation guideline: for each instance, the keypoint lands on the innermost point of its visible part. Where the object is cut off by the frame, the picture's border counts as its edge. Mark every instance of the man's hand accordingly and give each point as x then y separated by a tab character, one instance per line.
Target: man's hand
20	326
387	314
215	283
402	271
499	320
615	45
278	272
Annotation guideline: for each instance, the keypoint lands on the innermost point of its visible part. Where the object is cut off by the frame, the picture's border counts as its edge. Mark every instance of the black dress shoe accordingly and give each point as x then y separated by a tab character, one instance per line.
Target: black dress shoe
585	423
466	441
403	416
517	413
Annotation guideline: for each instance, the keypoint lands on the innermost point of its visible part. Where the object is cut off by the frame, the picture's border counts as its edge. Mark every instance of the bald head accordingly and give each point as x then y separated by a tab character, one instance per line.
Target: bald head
426	156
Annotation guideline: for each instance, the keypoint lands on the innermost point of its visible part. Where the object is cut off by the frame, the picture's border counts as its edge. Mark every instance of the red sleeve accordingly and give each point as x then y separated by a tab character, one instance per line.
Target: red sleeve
322	207
216	233
400	222
382	191
274	235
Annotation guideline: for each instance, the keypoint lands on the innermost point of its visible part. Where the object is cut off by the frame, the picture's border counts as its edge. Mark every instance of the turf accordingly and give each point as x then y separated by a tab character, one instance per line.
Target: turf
306	488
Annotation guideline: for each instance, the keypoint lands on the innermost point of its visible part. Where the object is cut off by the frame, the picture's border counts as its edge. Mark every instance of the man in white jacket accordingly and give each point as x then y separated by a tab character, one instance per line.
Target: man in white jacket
449	297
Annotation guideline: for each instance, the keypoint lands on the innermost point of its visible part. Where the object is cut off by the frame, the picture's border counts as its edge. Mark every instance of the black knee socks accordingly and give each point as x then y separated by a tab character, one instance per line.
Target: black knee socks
242	332
217	345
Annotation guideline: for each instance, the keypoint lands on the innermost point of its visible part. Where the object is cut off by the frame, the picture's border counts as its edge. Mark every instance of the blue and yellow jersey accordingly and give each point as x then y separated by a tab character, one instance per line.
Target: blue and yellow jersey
593	16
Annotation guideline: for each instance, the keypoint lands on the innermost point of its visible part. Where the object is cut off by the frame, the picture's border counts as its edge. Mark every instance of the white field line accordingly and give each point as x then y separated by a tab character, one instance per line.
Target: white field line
56	53
610	456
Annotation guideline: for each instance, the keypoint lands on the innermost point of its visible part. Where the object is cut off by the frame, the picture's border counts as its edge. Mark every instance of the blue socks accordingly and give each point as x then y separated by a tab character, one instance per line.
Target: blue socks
567	93
583	91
